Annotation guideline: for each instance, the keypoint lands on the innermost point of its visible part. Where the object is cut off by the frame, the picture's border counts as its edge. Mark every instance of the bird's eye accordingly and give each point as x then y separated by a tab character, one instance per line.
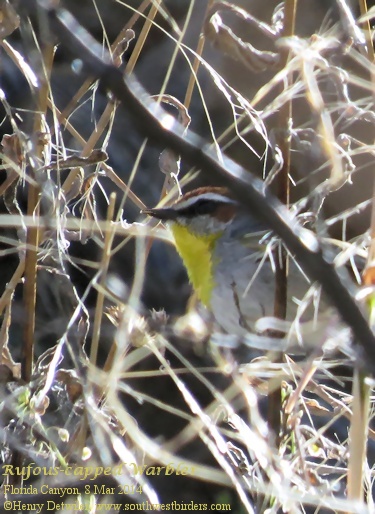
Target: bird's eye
199	208
204	207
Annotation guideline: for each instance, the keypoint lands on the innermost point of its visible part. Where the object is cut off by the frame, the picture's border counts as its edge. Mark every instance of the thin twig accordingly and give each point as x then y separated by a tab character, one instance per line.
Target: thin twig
32	237
281	260
108	239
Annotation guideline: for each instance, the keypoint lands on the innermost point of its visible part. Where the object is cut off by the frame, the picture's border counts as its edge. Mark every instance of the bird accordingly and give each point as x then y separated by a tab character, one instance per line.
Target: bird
226	252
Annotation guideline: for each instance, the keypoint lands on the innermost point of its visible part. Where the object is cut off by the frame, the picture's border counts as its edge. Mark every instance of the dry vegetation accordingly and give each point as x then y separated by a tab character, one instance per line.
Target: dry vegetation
91	377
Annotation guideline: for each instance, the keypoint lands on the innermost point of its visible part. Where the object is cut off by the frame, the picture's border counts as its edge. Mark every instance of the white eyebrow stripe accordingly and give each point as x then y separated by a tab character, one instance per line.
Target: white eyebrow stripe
183	204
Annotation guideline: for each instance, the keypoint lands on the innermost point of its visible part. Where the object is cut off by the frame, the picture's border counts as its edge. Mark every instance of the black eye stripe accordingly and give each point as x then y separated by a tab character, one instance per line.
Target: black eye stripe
200	207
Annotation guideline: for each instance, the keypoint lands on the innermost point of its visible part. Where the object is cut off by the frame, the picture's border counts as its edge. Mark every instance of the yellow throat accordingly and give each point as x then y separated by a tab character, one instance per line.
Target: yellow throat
197	253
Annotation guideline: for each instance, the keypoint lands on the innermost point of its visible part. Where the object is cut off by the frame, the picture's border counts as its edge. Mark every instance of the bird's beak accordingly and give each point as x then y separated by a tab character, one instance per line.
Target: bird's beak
162	213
